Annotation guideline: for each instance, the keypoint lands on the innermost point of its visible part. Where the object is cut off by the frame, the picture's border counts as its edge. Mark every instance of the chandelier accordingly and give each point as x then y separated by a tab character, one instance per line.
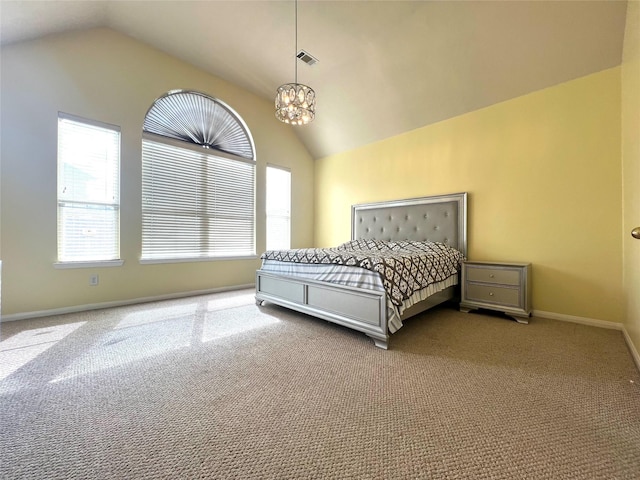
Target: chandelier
295	102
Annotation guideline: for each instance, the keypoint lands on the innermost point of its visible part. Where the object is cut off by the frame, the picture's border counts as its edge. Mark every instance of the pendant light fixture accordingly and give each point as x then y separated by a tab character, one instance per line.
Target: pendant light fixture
295	102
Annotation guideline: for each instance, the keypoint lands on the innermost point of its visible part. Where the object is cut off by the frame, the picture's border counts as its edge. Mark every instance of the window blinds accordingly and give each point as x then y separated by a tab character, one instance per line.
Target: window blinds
88	190
195	204
194	117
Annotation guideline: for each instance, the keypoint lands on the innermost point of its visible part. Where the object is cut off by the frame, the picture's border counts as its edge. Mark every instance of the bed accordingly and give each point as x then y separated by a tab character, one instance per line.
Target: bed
320	290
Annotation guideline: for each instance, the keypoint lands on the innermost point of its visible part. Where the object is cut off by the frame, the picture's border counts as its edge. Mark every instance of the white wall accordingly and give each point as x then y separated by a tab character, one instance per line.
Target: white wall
103	75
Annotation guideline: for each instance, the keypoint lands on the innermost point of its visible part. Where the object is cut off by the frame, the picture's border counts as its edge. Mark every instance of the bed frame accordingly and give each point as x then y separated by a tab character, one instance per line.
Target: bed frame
441	218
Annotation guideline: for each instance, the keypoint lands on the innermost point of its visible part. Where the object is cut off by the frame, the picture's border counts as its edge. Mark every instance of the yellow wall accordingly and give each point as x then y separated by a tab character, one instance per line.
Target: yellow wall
631	169
103	75
543	173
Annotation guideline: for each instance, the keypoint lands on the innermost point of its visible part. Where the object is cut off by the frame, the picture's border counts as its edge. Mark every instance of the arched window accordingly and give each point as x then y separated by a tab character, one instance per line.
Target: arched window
198	180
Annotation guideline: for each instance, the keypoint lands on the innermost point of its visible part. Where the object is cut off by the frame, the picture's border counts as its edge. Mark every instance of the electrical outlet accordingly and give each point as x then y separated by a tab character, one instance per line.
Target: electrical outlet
93	280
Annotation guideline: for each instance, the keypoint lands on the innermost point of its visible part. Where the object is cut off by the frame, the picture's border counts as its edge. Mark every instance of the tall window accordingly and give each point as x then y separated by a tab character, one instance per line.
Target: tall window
198	180
88	190
278	208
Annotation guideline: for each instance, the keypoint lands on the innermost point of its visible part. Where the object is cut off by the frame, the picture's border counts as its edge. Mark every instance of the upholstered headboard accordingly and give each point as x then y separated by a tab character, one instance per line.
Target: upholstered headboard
441	218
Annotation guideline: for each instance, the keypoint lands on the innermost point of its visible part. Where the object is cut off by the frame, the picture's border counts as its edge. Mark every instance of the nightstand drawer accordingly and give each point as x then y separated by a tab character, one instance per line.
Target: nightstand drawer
501	286
492	294
493	275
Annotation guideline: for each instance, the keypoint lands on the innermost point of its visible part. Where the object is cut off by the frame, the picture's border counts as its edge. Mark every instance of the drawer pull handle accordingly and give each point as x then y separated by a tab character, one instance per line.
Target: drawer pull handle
491	294
491	275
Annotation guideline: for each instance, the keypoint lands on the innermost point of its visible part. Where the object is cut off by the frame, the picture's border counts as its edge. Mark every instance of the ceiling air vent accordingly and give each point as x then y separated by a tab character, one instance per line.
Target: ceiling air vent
307	58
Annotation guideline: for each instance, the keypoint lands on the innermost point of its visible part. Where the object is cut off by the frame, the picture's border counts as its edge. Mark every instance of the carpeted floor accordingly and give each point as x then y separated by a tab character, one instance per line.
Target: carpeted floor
215	387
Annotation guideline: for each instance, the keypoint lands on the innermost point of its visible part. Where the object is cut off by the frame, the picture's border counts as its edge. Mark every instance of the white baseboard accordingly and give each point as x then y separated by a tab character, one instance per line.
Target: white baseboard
117	303
632	347
594	323
574	319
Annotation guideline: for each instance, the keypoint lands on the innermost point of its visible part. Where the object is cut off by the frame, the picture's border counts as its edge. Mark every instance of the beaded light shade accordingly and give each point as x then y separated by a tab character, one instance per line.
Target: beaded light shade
295	102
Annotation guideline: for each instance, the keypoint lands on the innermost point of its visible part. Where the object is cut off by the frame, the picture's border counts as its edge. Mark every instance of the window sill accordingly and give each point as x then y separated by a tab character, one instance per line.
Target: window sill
151	261
93	264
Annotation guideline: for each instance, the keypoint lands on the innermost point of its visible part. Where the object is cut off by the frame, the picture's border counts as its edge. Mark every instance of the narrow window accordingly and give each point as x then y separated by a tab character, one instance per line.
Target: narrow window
278	208
88	190
198	181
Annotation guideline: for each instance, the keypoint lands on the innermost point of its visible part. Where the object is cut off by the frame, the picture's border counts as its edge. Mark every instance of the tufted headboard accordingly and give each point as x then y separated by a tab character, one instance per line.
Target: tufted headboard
441	218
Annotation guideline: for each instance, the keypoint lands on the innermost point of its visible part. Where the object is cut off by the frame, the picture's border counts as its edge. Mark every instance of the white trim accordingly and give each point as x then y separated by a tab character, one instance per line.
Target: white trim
574	319
90	264
279	167
632	348
150	261
88	121
594	323
117	303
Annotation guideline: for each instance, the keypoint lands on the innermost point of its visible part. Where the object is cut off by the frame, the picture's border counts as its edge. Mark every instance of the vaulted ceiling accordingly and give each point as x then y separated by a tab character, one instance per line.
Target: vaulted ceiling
385	67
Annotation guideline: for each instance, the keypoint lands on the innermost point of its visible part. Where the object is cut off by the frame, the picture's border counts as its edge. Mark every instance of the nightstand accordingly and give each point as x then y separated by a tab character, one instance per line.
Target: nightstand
504	287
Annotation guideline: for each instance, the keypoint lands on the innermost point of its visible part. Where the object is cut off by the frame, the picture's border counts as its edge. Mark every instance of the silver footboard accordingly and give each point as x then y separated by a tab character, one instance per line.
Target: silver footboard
355	308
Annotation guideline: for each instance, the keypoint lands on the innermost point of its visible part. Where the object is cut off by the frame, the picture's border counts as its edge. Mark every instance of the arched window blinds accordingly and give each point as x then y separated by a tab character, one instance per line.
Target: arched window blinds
197	118
198	180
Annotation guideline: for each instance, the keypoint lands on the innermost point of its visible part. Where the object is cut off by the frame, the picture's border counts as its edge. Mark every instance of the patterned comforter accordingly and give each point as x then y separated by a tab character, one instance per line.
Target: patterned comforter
405	266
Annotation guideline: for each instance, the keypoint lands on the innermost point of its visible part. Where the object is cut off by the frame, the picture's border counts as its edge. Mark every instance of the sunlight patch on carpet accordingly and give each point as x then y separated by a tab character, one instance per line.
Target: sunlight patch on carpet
20	349
123	346
226	323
